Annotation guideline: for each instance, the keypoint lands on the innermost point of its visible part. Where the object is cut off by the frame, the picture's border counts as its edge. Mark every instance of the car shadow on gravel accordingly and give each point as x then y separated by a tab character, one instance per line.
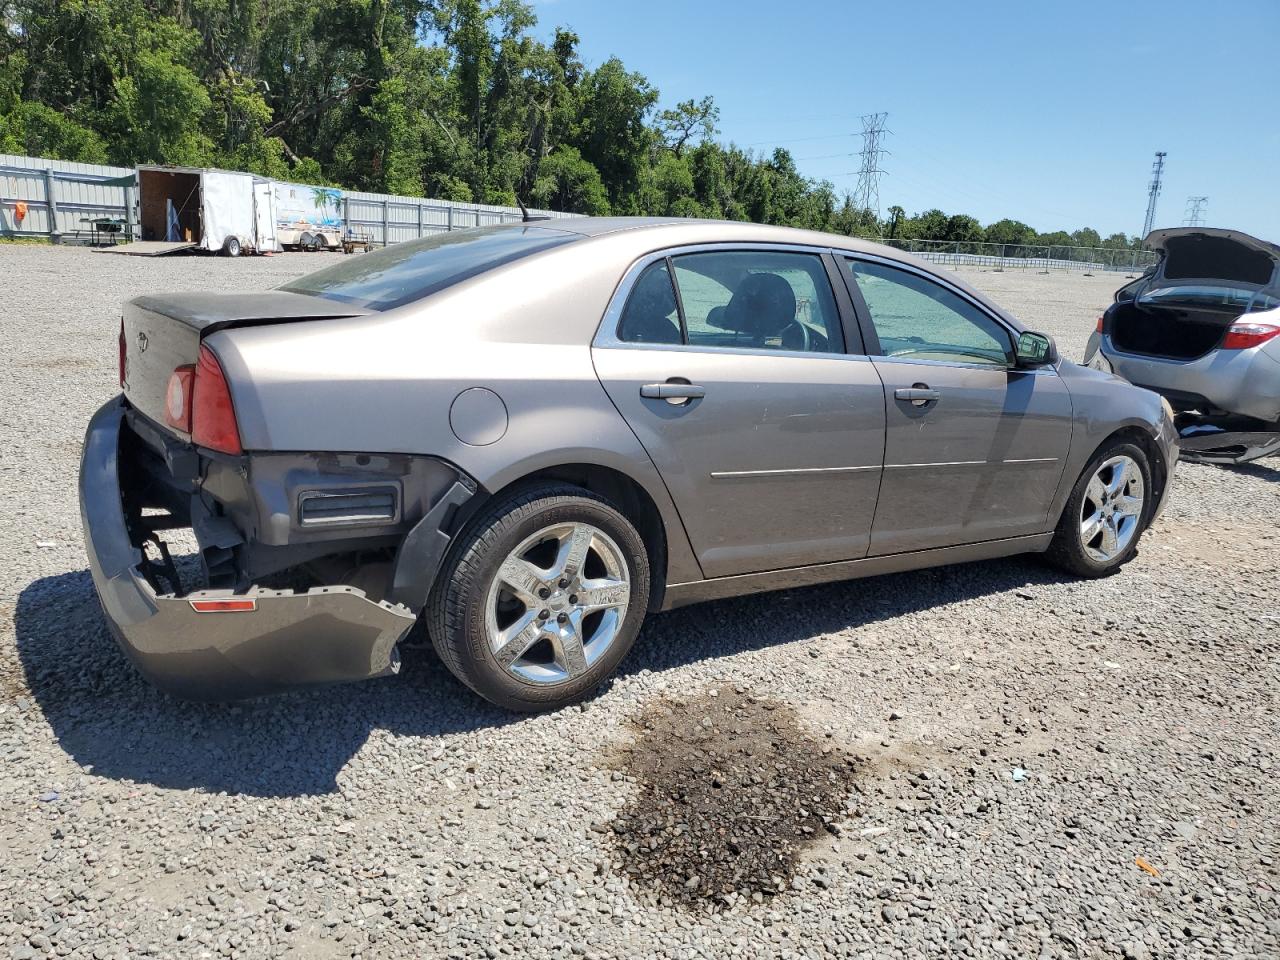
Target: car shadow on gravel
106	716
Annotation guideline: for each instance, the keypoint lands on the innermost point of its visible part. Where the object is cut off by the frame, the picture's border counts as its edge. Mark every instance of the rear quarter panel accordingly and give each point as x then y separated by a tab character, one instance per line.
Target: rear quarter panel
385	383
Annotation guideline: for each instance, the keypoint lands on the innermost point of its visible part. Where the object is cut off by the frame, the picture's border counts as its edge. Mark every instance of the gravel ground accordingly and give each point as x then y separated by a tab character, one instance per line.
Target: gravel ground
1041	767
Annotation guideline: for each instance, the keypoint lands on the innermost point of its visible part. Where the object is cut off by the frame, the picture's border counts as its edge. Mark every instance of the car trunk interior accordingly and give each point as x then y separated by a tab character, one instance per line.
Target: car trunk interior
1180	333
156	188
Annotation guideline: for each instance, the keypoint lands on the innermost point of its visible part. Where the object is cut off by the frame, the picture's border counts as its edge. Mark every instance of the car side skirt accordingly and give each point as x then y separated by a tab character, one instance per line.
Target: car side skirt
682	594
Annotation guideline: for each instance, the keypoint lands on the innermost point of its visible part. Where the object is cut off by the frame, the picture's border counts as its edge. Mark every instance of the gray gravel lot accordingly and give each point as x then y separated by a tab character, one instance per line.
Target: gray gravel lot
1025	742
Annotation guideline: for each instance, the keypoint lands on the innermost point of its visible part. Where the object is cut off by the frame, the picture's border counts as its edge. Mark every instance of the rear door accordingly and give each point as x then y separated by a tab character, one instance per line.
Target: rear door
974	448
264	214
729	365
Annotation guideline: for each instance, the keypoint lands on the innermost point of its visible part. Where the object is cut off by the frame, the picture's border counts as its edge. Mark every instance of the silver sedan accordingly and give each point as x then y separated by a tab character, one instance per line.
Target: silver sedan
533	436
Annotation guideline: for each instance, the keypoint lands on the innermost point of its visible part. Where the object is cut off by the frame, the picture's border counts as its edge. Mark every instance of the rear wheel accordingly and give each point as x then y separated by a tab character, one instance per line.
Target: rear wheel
1106	513
231	246
541	598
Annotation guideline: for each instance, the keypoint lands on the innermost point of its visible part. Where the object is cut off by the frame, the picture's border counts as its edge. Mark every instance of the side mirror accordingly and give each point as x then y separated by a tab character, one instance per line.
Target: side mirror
1036	350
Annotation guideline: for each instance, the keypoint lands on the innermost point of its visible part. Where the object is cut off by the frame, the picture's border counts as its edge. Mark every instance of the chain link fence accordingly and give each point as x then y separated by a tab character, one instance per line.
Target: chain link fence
1017	256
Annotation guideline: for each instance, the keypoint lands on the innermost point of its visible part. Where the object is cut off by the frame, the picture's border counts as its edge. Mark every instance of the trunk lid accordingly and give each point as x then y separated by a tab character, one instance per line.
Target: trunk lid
163	332
1228	257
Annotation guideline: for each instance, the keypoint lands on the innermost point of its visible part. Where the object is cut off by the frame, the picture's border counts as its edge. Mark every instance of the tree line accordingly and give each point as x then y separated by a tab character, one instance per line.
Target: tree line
451	99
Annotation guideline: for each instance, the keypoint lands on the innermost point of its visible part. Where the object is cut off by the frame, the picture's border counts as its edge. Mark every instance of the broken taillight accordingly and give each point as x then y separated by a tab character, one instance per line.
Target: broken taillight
213	417
1242	335
177	397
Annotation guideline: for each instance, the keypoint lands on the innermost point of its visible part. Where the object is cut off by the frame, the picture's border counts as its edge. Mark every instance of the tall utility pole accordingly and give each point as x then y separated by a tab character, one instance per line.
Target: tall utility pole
1195	211
1153	192
867	193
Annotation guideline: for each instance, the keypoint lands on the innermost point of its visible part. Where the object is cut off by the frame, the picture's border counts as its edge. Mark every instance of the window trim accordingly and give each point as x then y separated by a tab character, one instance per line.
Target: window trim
607	333
872	339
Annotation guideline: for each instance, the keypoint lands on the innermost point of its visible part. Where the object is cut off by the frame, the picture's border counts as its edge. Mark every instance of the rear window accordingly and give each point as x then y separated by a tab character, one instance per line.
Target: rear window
404	272
1242	298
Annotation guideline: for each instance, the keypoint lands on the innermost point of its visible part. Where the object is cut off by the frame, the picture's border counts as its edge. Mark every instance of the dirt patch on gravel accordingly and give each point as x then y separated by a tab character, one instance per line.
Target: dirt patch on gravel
732	791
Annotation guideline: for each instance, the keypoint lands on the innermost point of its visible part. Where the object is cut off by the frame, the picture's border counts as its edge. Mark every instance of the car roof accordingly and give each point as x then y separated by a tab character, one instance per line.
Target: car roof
731	230
656	233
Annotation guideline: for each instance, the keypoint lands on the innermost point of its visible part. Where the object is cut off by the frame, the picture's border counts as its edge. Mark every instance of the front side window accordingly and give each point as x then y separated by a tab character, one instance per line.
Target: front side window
918	319
404	272
760	299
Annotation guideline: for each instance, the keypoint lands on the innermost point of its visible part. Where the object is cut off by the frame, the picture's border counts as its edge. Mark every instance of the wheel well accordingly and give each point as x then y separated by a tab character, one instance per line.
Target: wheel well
1159	469
629	497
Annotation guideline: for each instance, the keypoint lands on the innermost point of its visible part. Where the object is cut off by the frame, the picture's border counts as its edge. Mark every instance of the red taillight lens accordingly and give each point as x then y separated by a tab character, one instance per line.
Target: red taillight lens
1242	336
213	418
1099	326
177	398
123	357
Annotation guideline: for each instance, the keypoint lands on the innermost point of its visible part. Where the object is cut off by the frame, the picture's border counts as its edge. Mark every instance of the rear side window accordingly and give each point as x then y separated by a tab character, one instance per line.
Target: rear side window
759	299
404	272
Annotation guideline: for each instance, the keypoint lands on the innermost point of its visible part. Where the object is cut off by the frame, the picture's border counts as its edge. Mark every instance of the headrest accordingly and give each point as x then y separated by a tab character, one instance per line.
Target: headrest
763	305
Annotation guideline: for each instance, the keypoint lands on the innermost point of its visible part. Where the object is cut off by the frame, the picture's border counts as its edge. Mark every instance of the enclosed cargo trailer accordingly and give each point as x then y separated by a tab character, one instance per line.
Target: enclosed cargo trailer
186	208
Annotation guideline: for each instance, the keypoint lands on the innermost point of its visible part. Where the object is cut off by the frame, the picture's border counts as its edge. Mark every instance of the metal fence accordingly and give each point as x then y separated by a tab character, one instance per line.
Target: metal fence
1016	256
63	199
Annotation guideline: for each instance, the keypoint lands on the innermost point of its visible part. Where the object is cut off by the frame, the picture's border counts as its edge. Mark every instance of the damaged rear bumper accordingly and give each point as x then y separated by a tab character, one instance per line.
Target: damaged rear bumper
284	639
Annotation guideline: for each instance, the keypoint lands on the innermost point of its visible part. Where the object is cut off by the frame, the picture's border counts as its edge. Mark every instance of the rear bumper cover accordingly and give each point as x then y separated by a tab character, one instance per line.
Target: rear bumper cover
325	635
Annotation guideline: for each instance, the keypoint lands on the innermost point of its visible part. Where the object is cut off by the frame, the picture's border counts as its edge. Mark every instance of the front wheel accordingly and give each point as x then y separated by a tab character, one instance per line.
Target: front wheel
541	598
1106	513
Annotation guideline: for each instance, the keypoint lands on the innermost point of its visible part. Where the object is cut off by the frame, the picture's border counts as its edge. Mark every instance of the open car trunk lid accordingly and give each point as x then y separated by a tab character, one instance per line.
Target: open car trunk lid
1229	257
163	332
1207	279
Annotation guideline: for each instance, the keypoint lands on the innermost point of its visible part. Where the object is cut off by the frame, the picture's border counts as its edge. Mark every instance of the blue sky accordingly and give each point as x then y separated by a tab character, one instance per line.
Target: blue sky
1046	113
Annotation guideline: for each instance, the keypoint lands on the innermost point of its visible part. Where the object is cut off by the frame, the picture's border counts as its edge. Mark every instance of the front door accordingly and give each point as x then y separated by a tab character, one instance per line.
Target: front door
735	380
974	448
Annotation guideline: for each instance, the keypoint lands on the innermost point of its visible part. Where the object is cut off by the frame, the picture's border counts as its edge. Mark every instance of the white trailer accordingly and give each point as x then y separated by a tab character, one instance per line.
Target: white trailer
307	217
184	208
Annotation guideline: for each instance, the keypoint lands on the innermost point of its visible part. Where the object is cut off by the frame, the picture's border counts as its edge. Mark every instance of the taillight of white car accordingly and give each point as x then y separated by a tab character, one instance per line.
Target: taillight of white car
198	402
1242	335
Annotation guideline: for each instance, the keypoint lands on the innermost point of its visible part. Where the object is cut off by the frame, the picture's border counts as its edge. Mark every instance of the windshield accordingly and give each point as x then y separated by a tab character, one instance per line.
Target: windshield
409	271
1208	295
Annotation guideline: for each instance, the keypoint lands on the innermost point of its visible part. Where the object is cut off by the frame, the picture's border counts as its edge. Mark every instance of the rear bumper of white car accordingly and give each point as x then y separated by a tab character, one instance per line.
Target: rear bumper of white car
1241	382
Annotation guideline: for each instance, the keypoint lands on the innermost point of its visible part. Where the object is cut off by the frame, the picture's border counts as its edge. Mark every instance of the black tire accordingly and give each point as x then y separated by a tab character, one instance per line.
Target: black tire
231	246
1066	551
456	610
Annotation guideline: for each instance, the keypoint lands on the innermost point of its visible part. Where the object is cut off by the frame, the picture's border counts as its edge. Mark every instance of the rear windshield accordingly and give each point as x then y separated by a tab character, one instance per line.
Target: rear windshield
409	271
1242	298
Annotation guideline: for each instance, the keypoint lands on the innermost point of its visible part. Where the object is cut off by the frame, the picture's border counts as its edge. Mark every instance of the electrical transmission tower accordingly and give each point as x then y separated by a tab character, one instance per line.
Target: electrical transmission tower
1195	211
1153	192
867	193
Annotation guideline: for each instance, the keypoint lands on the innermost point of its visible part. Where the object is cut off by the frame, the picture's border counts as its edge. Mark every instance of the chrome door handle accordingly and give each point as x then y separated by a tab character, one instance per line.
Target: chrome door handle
919	395
672	391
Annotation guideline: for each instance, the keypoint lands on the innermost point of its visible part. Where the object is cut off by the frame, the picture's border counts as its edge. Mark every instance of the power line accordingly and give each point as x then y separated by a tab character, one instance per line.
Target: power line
1195	211
1153	192
867	193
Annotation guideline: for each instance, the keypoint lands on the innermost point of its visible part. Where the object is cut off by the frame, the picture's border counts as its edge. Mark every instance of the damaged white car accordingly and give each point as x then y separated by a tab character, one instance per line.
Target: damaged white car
1202	328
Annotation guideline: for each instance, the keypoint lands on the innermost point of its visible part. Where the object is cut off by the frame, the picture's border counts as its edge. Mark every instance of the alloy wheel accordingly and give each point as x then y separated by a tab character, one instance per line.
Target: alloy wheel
1111	511
557	603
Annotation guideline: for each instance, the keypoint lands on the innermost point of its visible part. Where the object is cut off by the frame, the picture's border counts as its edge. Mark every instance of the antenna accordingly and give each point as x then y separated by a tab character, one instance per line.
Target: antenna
1195	211
867	193
526	216
1153	192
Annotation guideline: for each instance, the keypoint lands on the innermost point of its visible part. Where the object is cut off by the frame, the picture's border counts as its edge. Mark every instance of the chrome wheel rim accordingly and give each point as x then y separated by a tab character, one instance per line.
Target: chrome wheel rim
1112	509
557	603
